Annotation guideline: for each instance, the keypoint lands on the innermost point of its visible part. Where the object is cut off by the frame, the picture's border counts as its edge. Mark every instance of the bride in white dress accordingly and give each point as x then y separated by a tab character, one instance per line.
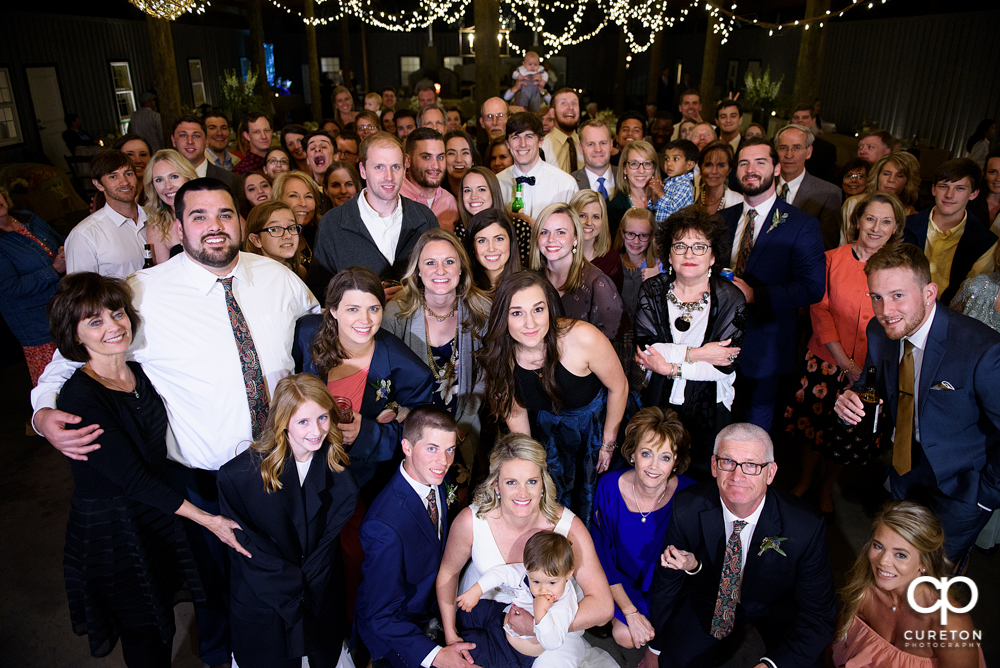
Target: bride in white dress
515	502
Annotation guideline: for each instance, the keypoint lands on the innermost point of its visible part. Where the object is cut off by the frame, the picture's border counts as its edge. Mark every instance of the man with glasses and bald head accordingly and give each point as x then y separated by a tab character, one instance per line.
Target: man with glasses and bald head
745	568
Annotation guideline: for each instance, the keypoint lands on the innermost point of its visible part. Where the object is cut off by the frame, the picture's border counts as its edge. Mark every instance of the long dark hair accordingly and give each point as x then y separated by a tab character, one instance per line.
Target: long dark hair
327	352
498	356
477	224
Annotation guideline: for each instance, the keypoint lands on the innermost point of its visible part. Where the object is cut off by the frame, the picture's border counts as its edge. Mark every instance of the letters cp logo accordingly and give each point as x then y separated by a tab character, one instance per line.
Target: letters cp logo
942	585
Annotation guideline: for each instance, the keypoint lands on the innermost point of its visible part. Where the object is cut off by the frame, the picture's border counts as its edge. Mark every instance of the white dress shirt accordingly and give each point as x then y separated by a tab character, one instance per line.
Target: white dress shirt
551	185
202	169
793	185
758	224
919	341
186	347
106	242
384	230
609	181
746	536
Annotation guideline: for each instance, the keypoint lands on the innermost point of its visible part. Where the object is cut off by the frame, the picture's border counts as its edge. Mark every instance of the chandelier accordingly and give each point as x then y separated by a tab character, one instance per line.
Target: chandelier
170	9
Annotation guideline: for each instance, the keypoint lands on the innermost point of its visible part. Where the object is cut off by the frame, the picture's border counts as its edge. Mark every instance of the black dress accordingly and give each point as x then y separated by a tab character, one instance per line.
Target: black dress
702	414
127	561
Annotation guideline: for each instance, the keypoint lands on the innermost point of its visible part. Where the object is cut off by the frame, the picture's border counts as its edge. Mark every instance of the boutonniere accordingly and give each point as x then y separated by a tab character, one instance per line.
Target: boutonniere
382	388
777	219
450	494
772	543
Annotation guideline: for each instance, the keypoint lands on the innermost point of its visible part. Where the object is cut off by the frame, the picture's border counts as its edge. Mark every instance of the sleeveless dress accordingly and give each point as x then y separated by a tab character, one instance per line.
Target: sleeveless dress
486	554
864	648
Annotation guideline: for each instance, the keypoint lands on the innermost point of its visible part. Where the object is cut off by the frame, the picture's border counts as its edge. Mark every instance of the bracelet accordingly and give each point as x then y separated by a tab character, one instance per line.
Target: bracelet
677	372
609	447
687	355
634	612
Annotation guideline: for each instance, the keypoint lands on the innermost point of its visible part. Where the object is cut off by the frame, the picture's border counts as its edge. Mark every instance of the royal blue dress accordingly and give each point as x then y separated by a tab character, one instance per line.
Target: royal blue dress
629	549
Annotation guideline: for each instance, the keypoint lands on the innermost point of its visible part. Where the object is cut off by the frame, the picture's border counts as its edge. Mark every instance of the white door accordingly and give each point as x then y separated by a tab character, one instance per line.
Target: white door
47	101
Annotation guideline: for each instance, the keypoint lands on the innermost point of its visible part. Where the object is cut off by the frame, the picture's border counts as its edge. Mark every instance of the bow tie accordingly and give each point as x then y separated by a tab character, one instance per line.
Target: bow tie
530	180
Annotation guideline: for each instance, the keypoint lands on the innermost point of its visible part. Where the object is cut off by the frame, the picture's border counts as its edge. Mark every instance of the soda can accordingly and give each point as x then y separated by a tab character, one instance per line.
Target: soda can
727	273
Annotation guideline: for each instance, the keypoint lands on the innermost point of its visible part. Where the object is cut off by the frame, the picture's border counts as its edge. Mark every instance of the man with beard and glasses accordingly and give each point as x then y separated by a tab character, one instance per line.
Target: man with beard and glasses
215	339
562	146
425	171
779	265
937	376
110	240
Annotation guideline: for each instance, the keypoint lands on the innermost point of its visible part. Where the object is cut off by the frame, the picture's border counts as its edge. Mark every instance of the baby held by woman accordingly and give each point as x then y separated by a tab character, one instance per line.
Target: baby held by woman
542	587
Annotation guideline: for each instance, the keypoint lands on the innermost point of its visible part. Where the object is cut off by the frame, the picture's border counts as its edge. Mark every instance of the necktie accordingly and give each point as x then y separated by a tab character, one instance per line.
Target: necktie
432	508
253	377
601	189
729	585
902	445
746	243
783	192
572	154
530	180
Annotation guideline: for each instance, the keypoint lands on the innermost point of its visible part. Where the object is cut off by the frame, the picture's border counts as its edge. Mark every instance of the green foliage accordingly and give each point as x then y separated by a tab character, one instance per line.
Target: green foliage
239	97
759	89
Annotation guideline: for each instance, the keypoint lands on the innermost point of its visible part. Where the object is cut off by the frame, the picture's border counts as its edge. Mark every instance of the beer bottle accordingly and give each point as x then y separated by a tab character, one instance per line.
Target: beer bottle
856	443
147	254
868	426
518	202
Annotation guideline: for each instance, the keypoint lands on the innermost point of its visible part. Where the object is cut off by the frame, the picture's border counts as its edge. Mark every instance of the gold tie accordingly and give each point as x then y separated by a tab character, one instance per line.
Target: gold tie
746	243
902	445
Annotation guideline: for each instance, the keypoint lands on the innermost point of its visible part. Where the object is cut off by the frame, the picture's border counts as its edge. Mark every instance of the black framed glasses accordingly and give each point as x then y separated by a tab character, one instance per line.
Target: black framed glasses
277	161
645	164
641	236
682	249
278	231
749	468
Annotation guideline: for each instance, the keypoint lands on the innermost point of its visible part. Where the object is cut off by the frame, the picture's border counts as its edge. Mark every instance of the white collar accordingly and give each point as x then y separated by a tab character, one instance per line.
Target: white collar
796	182
919	337
750	519
120	220
206	280
367	207
420	488
761	208
534	171
606	174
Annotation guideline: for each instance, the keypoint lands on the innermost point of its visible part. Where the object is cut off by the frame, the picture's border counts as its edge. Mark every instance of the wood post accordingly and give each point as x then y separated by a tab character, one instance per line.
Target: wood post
621	75
487	48
810	63
168	91
315	103
256	19
655	68
708	67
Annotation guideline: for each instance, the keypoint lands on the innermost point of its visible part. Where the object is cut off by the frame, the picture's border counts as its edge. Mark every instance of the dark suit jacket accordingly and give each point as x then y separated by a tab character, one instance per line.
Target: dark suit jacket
287	601
233	181
342	241
789	599
821	200
409	383
823	163
787	270
958	428
581	179
397	596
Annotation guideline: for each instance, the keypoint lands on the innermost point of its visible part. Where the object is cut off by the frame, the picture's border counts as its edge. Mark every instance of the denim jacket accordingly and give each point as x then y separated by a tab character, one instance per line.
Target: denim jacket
27	280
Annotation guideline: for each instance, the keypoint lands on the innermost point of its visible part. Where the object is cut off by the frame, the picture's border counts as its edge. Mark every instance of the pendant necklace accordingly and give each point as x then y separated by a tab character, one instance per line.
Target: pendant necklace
636	498
439	318
683	321
134	391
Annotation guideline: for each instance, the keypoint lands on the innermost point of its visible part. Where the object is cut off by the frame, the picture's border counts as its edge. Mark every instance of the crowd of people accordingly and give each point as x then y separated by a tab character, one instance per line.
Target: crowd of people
380	391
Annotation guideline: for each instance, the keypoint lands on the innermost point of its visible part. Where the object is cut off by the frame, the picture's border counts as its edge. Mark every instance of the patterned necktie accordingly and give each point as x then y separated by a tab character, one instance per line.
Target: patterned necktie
530	180
253	376
432	508
572	154
902	445
746	243
783	192
729	585
601	189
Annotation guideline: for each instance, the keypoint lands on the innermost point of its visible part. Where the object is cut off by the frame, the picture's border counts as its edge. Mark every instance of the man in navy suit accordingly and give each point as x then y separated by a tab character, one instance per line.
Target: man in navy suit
779	263
738	553
403	536
947	416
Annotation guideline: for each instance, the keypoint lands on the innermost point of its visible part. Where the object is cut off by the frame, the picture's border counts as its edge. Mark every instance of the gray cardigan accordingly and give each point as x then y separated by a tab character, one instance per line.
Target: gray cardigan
412	332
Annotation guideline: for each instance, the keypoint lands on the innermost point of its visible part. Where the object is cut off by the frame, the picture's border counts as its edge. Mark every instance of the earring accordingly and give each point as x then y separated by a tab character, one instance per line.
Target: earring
710	272
497	493
574	249
632	460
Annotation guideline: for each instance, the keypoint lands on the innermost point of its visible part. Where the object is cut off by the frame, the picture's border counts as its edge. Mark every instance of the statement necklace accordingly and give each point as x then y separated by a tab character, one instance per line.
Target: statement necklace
439	318
683	321
636	498
704	198
445	372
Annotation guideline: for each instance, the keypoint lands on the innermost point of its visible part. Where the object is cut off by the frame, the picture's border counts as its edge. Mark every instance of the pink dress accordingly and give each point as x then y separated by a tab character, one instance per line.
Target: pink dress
864	648
352	387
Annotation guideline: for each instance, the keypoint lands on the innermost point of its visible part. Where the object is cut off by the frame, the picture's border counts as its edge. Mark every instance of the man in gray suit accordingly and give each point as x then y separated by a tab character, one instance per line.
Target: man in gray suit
801	189
189	139
596	173
377	228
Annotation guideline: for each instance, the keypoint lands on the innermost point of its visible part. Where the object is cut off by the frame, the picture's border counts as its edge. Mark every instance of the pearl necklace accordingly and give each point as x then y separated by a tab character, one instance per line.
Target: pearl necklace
636	499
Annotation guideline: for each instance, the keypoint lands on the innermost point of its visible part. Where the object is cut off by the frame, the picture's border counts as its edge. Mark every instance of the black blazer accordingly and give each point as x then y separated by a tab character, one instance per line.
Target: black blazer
288	600
788	599
342	241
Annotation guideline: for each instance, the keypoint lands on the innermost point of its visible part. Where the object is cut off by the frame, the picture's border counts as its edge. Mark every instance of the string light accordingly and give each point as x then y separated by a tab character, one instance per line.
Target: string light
170	9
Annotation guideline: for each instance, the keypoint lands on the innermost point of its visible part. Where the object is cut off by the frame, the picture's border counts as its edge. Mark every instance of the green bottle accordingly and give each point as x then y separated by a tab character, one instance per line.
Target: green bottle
518	202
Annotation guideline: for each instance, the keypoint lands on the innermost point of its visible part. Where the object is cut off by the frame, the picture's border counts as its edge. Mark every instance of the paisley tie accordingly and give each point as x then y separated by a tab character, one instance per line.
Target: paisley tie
729	585
253	376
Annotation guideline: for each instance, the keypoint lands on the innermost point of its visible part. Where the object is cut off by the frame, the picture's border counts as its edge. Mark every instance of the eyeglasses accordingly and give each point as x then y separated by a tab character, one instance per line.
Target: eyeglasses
856	175
277	231
642	236
499	117
645	164
277	161
343	153
749	468
367	127
682	249
796	148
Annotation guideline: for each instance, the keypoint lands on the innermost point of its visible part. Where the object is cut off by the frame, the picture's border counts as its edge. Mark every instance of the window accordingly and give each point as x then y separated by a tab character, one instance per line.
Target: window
407	66
269	63
197	83
453	62
121	79
10	126
329	65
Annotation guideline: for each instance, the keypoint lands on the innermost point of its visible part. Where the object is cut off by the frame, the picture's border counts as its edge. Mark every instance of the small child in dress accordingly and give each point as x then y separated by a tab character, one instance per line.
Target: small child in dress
532	78
541	586
679	160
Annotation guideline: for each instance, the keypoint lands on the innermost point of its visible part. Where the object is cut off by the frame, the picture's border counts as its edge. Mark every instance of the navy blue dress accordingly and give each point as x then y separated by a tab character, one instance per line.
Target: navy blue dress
629	549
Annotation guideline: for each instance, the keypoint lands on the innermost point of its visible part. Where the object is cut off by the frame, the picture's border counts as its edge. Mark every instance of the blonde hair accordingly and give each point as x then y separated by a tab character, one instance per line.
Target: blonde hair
898	212
602	244
915	524
374	96
904	162
159	215
410	298
539	263
644	147
507	449
259	216
273	446
281	184
646	216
